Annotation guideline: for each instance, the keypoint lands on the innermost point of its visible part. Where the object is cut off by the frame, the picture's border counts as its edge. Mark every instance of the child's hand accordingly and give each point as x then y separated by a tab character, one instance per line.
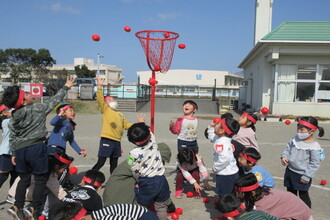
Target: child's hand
212	124
285	161
61	112
141	117
83	153
171	124
304	181
207	185
13	160
70	81
197	187
99	81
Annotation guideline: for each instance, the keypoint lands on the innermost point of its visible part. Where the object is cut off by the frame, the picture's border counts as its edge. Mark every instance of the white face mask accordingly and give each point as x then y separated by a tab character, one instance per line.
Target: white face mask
113	105
303	136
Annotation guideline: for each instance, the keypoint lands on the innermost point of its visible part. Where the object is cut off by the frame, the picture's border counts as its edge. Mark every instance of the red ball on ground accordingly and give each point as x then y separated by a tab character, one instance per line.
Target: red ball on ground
287	122
175	216
167	35
127	28
216	120
323	182
121	151
96	37
83	149
178	211
73	170
190	194
182	46
264	110
206	200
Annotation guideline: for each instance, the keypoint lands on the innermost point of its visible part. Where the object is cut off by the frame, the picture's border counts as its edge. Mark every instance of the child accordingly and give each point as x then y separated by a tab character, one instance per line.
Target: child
281	204
246	134
6	166
148	169
87	193
302	156
186	127
27	136
63	130
190	166
248	160
75	211
224	163
113	125
232	208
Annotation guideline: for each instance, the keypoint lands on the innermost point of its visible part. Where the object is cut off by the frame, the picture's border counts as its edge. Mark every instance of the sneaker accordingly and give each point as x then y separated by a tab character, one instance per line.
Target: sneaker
178	194
171	208
29	213
16	213
10	199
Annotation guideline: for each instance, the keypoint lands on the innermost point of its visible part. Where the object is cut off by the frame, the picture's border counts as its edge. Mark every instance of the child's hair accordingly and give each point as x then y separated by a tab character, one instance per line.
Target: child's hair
10	96
227	115
62	160
313	121
186	156
192	103
94	178
229	203
249	197
252	153
254	118
232	125
139	134
64	210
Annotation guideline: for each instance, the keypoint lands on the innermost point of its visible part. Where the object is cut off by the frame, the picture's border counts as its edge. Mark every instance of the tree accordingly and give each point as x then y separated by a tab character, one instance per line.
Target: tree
55	81
21	62
41	62
82	71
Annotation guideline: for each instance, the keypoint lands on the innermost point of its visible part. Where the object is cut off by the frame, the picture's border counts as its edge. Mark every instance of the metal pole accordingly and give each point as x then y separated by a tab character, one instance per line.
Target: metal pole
98	64
152	106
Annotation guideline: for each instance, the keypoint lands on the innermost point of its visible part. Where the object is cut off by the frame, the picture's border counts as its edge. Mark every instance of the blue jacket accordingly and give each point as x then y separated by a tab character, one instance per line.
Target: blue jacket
263	176
62	132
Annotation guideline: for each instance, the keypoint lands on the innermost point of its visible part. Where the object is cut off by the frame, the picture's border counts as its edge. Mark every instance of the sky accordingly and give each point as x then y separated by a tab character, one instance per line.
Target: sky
218	34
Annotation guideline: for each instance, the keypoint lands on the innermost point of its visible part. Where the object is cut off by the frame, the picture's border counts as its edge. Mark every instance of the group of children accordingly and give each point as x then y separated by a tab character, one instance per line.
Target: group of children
241	184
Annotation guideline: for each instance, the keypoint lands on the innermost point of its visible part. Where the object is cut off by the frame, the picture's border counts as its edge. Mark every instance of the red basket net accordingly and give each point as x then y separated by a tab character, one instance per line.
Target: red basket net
158	47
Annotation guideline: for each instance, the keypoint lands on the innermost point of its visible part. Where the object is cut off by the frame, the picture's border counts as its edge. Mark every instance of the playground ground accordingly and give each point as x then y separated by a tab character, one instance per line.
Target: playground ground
272	138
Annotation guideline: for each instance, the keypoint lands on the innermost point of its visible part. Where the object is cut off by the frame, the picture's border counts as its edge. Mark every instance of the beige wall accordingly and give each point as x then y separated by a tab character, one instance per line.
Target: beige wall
302	109
188	77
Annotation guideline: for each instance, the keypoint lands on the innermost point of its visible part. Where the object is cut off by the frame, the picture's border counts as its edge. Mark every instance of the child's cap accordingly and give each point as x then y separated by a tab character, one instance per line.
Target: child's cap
192	103
2	107
247	188
20	99
226	128
80	214
62	159
89	180
63	104
250	159
249	117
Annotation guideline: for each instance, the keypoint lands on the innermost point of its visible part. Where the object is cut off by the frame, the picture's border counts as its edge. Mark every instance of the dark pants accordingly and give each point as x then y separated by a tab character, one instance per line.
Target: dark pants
39	192
180	178
101	162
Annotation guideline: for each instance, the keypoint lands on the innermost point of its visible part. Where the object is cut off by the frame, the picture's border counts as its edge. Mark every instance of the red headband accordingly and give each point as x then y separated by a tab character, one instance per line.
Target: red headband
252	160
236	212
249	117
142	142
247	188
225	127
20	99
62	159
66	107
106	97
308	125
2	107
88	180
80	214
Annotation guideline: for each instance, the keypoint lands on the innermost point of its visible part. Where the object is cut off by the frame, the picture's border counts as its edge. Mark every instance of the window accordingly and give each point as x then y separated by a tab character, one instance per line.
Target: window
199	76
303	83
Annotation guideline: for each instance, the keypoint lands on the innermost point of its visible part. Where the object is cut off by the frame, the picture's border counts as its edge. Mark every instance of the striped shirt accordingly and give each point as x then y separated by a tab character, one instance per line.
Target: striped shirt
120	212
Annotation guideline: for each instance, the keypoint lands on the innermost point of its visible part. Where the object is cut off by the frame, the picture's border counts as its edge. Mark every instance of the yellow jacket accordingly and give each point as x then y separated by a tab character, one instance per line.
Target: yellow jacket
113	122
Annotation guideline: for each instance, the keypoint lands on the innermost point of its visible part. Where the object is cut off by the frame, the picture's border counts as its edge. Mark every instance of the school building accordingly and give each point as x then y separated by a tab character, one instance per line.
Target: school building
288	69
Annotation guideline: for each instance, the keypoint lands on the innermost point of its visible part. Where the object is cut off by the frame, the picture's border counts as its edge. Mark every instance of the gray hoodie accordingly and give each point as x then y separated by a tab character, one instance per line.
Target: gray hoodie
28	123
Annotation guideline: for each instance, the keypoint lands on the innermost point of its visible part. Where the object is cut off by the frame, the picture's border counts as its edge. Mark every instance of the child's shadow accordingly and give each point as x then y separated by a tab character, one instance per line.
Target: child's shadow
213	200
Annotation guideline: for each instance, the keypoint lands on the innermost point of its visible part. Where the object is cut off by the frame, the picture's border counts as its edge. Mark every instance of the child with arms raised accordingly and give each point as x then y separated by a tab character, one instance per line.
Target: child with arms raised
27	141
